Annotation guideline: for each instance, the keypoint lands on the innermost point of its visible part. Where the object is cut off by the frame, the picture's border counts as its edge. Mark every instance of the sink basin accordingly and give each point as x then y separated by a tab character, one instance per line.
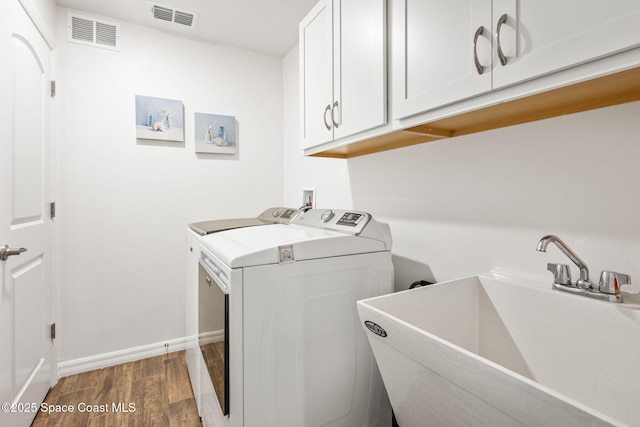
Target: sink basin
500	350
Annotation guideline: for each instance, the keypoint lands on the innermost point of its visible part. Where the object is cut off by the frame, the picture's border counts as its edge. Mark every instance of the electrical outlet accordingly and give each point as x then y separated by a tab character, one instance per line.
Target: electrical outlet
309	197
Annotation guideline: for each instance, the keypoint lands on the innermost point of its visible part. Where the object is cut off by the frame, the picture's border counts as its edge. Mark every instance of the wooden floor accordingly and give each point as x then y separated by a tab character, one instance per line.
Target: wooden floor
154	392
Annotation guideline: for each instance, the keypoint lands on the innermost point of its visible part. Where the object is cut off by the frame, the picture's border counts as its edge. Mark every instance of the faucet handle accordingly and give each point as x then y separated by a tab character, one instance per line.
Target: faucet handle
610	281
561	273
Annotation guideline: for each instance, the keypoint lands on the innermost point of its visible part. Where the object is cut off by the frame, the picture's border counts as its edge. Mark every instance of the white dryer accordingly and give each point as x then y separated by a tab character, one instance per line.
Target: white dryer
294	351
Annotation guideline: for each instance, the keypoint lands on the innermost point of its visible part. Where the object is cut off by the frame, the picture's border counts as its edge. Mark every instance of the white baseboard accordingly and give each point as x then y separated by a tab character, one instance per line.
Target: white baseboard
99	361
210	337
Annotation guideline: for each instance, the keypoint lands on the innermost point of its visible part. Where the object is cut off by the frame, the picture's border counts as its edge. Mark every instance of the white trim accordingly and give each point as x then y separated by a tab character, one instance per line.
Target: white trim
99	361
210	337
28	382
39	23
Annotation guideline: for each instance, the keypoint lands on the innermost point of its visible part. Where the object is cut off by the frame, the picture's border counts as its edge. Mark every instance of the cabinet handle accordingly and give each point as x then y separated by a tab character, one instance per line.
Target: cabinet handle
333	119
501	21
325	116
479	66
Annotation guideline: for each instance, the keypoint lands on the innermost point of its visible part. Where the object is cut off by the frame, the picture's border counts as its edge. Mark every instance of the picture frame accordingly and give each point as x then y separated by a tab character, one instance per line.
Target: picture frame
159	119
215	133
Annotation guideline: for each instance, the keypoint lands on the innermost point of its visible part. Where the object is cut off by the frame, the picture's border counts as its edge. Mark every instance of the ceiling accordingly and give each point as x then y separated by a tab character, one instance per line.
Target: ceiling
268	26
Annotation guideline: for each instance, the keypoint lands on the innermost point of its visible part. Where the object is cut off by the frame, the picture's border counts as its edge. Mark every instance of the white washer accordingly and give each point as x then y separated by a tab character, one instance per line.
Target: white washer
297	355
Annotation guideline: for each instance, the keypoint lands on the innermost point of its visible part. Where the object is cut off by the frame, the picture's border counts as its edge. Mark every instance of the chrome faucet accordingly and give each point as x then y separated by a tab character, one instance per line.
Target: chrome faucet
583	282
610	281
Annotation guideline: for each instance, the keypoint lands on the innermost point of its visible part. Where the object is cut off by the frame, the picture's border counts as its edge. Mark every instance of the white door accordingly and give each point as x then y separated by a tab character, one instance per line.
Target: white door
359	83
436	44
25	189
553	34
316	75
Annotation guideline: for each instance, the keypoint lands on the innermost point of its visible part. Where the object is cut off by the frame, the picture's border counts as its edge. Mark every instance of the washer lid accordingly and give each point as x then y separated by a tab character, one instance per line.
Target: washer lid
216	225
269	216
278	243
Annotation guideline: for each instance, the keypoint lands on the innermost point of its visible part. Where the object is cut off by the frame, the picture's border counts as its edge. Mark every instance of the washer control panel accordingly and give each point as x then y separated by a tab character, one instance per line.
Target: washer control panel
352	222
279	215
351	219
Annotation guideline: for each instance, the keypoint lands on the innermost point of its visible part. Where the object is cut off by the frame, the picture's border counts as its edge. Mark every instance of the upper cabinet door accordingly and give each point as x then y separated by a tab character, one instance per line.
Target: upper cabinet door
342	69
557	34
360	78
316	75
442	52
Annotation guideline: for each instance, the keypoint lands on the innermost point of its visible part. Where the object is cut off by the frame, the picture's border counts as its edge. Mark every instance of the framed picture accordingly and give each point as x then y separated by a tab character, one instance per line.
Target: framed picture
215	133
159	119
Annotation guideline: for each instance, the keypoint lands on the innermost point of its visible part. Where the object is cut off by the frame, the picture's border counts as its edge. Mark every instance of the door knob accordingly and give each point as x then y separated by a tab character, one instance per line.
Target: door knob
6	252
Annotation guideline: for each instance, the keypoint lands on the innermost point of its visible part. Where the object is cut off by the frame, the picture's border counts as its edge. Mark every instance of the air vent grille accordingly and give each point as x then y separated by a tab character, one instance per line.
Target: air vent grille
106	34
167	13
183	18
163	13
92	32
81	29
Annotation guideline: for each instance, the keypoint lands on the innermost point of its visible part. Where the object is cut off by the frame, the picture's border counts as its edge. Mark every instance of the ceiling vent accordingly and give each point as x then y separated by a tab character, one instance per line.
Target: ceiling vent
92	32
171	14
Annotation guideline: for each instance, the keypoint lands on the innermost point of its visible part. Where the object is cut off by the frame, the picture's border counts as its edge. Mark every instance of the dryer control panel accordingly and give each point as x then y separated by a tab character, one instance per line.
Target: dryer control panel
350	222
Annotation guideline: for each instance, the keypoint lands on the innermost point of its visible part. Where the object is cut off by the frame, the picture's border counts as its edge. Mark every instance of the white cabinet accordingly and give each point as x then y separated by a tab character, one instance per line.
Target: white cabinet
448	51
553	35
342	69
316	75
433	52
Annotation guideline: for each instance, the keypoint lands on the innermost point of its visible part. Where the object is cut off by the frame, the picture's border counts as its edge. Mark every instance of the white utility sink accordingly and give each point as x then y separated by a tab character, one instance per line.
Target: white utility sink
497	350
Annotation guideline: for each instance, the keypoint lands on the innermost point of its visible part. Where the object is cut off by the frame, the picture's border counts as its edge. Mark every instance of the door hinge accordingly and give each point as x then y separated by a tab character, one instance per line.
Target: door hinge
53	88
52	210
53	331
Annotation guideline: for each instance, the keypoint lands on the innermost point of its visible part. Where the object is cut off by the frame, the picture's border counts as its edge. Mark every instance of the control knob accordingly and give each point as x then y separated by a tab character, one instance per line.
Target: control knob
327	215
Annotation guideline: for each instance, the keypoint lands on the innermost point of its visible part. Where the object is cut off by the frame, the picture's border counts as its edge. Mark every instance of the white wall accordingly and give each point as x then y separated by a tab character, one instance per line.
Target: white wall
474	203
483	201
124	204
